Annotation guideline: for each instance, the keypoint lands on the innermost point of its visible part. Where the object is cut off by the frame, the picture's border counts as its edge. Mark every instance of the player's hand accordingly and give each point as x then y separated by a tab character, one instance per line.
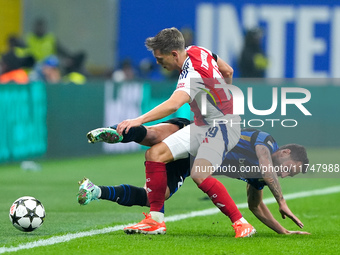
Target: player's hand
286	212
296	233
127	124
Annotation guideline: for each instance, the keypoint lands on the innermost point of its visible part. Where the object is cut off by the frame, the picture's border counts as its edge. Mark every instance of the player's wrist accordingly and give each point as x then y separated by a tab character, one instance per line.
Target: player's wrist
141	119
282	202
283	231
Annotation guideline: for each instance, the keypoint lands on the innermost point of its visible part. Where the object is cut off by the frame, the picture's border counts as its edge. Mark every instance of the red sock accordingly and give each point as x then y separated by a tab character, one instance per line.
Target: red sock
221	198
156	183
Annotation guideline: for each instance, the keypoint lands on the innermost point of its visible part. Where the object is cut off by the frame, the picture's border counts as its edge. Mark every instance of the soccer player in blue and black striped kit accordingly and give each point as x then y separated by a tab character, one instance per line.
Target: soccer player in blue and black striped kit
255	150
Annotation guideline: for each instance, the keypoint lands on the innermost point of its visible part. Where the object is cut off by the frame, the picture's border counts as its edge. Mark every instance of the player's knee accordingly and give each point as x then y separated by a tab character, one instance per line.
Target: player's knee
198	180
159	153
197	175
152	154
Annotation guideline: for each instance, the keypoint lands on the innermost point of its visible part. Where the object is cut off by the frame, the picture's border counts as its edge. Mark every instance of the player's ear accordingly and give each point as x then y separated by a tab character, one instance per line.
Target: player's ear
286	151
174	53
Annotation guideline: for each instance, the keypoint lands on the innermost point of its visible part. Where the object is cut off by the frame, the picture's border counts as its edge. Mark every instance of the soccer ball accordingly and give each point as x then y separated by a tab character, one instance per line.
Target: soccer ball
27	214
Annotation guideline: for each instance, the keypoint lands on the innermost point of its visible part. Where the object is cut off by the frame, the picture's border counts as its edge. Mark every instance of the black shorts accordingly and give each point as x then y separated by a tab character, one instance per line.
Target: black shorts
180	122
177	171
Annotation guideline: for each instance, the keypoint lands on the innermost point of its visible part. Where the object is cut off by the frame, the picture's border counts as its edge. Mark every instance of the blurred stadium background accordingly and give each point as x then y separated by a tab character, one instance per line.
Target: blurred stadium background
300	42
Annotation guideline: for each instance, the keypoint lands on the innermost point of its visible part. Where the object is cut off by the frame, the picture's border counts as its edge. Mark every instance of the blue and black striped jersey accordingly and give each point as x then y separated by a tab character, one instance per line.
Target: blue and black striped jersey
242	163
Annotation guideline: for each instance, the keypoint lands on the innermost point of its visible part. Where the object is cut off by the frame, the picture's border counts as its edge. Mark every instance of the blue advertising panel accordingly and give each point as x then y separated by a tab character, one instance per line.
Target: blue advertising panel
301	38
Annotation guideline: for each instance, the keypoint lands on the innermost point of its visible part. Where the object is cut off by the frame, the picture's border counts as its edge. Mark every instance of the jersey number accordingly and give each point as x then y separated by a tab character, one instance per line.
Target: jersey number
212	132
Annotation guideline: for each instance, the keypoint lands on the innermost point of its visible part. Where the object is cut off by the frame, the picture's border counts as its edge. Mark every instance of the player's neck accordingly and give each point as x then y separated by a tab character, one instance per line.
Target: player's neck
181	58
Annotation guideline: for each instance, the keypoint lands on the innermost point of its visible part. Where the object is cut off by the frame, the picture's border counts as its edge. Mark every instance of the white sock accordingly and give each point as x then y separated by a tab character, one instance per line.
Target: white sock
157	216
243	220
98	191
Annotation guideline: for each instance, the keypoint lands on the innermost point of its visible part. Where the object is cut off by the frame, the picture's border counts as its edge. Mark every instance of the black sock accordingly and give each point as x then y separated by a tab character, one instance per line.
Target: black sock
135	134
124	194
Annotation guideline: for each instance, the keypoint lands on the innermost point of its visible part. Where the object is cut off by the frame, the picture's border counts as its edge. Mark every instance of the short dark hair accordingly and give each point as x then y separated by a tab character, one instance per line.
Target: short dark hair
165	41
297	153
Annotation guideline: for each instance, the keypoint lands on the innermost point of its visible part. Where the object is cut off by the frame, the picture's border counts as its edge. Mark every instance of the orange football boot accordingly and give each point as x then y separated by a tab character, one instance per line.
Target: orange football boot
147	226
243	229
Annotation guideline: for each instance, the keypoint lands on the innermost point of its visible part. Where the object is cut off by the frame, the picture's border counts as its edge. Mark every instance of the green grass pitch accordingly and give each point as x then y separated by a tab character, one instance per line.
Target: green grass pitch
56	187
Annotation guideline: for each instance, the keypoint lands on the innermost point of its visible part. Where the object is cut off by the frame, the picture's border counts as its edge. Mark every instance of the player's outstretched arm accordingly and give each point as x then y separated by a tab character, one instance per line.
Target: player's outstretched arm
166	108
261	211
271	179
269	176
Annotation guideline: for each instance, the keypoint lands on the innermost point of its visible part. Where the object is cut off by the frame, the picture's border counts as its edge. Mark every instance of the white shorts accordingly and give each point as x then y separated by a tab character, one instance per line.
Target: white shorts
208	142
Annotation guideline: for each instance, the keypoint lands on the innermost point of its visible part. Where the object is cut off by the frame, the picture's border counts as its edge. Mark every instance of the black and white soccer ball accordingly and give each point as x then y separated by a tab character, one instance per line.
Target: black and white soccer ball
27	213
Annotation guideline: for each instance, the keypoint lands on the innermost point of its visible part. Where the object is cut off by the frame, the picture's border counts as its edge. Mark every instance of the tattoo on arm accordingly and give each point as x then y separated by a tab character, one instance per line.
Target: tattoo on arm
274	186
270	177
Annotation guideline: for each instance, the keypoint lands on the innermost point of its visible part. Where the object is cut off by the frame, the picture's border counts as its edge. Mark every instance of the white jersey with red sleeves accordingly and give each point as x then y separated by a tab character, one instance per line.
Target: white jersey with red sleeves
201	79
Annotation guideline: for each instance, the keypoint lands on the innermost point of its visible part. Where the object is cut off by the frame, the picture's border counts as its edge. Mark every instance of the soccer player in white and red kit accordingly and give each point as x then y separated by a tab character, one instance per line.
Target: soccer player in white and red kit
203	84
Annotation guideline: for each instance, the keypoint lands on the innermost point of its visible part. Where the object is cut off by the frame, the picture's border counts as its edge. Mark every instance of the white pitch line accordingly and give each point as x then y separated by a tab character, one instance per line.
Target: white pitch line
69	237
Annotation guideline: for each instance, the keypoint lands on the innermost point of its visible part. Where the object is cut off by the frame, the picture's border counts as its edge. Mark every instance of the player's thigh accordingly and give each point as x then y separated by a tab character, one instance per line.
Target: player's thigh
219	139
157	133
183	142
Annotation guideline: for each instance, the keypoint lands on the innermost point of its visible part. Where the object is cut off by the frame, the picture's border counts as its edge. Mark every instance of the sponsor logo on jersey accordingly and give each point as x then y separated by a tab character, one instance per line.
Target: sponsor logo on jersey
180	85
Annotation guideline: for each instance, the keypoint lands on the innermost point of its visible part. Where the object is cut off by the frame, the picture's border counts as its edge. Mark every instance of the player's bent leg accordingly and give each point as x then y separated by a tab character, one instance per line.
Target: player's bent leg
156	185
127	195
157	133
156	178
147	136
124	194
220	197
110	135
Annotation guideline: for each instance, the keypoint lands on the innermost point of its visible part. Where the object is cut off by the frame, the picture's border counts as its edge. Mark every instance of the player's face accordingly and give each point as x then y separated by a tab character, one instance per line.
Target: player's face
288	167
167	61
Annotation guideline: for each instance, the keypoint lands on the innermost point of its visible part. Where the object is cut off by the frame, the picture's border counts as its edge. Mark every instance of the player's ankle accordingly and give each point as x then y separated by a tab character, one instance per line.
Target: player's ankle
157	216
242	220
99	195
